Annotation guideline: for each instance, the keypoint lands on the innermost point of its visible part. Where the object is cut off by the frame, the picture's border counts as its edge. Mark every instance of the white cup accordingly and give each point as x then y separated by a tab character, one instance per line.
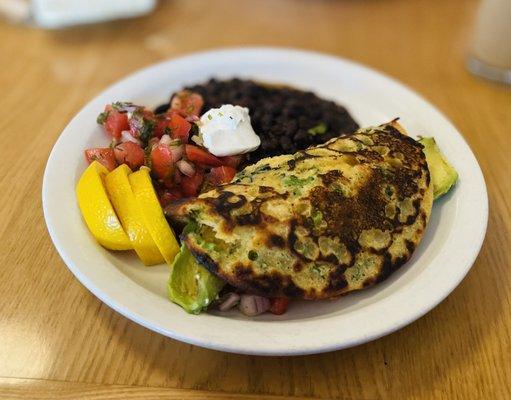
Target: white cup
491	46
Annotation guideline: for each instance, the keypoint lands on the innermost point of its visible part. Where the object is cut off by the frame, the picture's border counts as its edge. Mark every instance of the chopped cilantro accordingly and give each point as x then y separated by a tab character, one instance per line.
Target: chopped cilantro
102	117
317	217
123	106
297	183
194	129
190	227
293	180
210	117
319	129
147	130
262	168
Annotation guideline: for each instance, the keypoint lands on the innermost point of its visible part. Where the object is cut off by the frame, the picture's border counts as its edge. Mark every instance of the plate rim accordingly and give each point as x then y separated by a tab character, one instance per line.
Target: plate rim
268	350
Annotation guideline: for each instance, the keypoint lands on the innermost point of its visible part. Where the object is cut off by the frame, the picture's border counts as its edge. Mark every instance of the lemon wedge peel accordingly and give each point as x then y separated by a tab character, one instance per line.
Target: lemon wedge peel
97	210
152	212
127	208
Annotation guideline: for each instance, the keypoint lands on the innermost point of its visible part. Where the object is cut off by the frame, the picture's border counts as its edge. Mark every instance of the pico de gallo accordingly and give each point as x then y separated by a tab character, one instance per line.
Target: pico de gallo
162	142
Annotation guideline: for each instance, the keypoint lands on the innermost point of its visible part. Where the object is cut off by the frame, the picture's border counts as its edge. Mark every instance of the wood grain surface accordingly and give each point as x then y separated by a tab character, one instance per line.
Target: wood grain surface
58	341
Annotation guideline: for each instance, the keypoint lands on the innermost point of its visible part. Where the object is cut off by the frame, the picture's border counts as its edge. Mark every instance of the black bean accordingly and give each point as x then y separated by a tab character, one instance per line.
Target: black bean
162	108
281	116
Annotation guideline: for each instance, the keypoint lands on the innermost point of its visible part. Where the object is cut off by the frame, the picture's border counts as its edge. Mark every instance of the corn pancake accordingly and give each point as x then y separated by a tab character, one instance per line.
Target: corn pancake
316	224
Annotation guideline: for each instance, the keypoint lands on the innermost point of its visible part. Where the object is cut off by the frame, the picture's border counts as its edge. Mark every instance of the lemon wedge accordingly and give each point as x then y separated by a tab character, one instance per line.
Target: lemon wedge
126	206
153	214
97	211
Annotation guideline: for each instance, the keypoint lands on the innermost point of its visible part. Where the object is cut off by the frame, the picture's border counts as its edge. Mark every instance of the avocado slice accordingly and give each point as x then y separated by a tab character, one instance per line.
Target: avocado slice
443	174
191	285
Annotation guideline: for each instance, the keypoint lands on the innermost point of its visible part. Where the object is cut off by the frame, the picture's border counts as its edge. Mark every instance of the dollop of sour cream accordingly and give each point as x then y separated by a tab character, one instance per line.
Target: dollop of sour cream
227	131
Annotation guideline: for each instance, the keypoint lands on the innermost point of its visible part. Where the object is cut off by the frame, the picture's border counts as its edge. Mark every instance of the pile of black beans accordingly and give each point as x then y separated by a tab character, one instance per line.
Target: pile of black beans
286	119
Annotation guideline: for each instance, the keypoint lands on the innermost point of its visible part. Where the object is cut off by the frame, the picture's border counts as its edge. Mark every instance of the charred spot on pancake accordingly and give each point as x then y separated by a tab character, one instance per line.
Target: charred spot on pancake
242	271
272	284
349	216
204	259
302	155
228	201
249	219
276	241
297	267
336	279
386	267
291	290
423	217
410	246
370	281
291	164
428	176
368	156
331	177
331	258
265	189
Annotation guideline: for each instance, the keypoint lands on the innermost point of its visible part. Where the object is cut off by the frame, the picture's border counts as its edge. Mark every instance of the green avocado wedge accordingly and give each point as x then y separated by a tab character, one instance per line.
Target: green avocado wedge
443	174
191	285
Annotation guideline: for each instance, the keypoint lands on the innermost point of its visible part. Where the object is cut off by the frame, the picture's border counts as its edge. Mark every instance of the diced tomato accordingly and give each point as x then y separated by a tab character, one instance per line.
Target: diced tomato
278	305
105	156
231	161
220	175
114	122
162	122
190	185
161	161
201	156
187	103
179	127
131	154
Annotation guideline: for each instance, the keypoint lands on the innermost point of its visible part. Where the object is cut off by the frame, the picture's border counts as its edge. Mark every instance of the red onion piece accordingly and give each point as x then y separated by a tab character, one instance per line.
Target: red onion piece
185	167
153	142
192	118
177	152
252	305
165	139
126	136
229	301
177	177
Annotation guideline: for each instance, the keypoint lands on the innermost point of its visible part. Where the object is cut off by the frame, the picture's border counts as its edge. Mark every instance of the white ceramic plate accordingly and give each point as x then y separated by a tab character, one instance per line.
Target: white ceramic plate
448	250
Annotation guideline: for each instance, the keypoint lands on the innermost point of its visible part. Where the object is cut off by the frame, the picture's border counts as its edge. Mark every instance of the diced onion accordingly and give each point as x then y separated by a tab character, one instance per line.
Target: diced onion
229	301
192	118
177	152
252	305
126	136
165	139
185	167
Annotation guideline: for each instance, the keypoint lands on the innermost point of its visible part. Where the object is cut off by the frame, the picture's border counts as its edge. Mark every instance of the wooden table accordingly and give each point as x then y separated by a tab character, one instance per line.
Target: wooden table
58	341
